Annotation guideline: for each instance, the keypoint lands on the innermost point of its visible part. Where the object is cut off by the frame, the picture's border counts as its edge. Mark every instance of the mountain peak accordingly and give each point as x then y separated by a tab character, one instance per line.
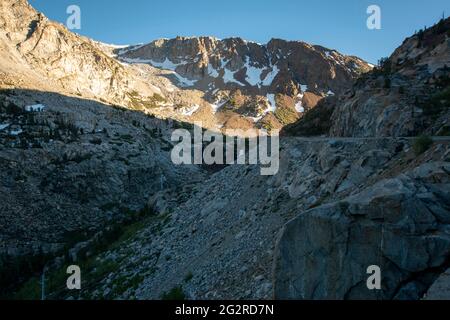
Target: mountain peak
233	67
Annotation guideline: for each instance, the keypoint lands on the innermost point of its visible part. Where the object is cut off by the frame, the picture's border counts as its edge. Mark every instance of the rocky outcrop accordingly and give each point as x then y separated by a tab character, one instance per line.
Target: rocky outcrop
401	225
440	290
406	95
35	40
401	222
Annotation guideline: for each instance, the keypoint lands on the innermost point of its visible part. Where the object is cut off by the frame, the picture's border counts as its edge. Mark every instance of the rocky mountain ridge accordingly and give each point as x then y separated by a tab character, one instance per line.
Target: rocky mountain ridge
406	95
222	83
285	67
250	79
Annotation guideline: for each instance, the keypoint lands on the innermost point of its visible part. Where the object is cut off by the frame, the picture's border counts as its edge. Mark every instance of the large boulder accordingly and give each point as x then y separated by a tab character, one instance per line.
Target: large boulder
401	225
440	290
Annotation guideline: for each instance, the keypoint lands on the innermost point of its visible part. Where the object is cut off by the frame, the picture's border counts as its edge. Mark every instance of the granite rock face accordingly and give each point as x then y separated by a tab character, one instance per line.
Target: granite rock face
440	290
400	225
407	95
39	48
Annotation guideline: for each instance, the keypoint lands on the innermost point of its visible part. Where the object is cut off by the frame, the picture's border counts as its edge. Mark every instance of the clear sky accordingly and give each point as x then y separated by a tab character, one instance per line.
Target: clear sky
336	24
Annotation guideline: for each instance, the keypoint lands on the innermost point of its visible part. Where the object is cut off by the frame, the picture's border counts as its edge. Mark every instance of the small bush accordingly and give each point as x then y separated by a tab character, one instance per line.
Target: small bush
176	294
422	144
444	131
188	277
385	67
286	115
438	102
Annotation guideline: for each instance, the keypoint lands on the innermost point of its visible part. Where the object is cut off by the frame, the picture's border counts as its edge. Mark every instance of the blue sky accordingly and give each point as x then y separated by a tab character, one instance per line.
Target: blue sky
339	25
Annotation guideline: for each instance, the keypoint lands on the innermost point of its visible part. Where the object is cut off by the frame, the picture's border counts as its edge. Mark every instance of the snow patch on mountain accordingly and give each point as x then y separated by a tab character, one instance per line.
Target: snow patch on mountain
189	111
184	82
253	74
130	48
212	71
228	75
167	64
299	105
255	119
217	105
272	107
271	76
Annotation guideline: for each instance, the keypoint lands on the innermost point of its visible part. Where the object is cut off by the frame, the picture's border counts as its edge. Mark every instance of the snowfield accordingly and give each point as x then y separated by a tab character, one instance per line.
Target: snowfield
272	103
189	111
271	76
253	74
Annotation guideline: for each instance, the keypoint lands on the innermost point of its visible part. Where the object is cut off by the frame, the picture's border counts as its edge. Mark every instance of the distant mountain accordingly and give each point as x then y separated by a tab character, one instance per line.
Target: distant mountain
257	79
285	67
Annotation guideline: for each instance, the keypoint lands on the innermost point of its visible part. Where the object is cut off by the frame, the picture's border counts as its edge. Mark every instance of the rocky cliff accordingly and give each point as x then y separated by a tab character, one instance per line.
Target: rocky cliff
406	95
399	224
39	48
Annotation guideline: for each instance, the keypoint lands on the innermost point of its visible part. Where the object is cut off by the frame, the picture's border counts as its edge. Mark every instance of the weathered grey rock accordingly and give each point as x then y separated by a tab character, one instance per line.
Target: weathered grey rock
324	252
440	290
397	100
